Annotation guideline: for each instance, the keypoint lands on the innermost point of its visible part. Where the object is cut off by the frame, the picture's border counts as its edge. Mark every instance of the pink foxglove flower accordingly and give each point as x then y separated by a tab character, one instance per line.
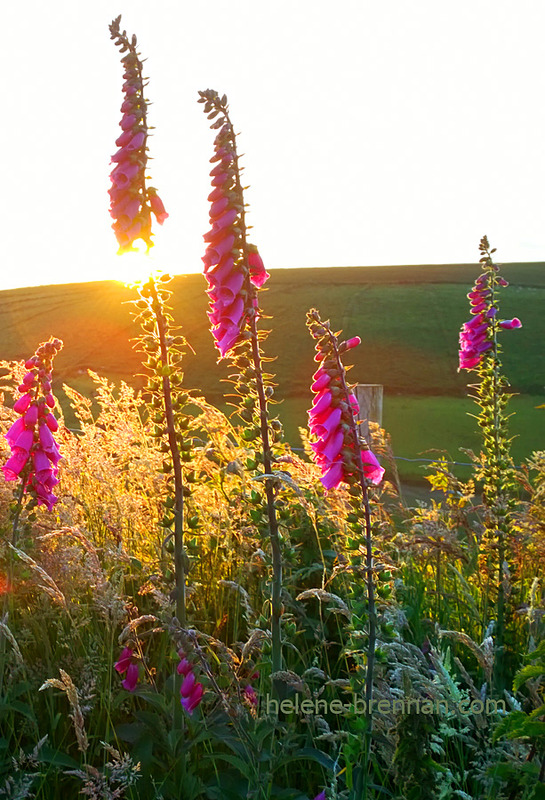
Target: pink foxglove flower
127	663
191	691
132	202
232	267
34	451
478	334
337	449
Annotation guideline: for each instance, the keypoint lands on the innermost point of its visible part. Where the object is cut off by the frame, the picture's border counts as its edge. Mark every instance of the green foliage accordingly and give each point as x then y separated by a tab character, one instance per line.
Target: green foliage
98	574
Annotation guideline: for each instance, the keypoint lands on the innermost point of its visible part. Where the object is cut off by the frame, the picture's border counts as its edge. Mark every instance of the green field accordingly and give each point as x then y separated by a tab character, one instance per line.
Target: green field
407	317
420	426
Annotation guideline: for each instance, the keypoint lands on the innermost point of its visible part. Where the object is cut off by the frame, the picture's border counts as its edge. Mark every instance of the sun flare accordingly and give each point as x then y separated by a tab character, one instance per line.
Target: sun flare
135	267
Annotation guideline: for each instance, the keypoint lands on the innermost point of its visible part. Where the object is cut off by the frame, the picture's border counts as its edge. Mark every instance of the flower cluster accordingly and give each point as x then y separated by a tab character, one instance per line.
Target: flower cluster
333	413
131	201
191	691
233	268
127	663
34	451
249	693
477	335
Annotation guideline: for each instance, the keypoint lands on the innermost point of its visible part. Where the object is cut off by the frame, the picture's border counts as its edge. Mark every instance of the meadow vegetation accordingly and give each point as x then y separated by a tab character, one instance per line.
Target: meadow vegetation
409	345
96	574
194	608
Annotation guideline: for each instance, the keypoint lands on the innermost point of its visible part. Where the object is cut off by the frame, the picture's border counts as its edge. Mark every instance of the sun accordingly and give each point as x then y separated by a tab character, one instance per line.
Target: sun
135	267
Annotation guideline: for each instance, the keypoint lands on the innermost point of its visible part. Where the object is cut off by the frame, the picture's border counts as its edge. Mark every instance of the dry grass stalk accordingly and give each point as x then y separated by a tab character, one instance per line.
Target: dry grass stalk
66	685
327	597
133	625
292	679
467	677
245	598
11	639
75	533
257	637
484	654
48	585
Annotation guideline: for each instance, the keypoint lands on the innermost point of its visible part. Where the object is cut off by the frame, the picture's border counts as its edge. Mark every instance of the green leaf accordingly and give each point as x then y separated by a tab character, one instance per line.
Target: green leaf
50	756
311	754
20	688
130	731
518	725
244	767
530	671
19	708
538	652
538	712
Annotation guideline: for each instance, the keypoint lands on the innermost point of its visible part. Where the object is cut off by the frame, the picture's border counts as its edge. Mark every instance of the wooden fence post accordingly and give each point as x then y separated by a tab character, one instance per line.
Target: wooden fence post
369	397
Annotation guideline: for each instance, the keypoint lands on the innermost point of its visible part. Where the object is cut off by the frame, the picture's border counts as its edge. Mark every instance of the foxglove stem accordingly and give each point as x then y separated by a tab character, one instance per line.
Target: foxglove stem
371	605
340	454
18	510
276	553
235	271
365	512
480	351
179	568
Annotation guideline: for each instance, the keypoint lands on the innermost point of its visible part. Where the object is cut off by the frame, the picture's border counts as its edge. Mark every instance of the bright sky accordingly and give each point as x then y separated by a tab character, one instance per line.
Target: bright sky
374	132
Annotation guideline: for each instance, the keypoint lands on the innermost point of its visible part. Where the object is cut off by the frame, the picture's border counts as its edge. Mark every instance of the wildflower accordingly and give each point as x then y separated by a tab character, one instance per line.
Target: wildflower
477	334
127	663
320	796
250	695
34	451
509	324
258	273
132	203
233	268
191	691
337	448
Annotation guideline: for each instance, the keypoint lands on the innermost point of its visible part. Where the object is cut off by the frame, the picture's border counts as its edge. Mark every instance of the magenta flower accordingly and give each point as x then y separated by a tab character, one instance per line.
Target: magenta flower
233	268
132	203
509	324
191	691
337	450
320	796
127	663
192	700
250	695
258	273
34	451
478	334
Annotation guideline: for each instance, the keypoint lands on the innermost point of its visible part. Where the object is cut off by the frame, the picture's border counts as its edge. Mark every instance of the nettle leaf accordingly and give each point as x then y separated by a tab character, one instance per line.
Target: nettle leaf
526	673
538	792
519	725
538	712
538	652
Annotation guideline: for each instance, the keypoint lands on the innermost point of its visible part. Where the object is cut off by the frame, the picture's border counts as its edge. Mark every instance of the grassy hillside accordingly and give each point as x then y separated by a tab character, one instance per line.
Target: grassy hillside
408	318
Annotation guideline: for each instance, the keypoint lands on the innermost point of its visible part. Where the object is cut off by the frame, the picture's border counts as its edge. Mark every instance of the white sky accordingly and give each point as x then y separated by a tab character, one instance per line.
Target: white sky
374	131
